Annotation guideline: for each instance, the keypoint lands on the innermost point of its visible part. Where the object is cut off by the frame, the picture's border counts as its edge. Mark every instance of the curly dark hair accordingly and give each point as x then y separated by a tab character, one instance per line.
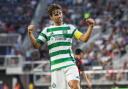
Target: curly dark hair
53	7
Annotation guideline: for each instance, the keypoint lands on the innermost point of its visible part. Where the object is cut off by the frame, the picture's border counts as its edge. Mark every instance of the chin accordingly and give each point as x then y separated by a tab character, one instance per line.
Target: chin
59	22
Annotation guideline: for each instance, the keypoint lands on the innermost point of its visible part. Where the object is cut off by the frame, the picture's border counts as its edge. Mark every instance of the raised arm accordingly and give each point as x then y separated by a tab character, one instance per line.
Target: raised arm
31	28
84	37
88	79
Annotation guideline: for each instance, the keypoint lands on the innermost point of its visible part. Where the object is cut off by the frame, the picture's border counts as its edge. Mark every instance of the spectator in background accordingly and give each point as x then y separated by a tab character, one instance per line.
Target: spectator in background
5	86
79	54
17	86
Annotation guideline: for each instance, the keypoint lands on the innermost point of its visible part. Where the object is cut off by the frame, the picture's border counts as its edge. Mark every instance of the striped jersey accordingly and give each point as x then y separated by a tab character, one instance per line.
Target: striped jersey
59	41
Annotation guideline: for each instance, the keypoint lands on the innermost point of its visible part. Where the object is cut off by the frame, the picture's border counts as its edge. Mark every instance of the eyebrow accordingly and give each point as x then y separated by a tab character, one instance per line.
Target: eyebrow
57	11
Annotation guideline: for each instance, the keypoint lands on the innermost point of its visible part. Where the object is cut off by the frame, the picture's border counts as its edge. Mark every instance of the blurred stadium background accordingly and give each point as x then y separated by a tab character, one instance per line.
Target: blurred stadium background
106	53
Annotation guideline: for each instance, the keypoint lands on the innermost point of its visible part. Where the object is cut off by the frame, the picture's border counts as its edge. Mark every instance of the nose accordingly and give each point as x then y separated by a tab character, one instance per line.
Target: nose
59	16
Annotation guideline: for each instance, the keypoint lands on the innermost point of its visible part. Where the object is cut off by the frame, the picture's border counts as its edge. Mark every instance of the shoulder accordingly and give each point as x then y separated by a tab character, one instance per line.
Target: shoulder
70	25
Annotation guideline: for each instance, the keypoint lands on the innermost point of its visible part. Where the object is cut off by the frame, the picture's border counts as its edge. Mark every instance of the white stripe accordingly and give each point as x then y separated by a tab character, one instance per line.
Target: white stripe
72	54
62	64
58	32
59	48
41	38
51	42
55	41
69	31
60	56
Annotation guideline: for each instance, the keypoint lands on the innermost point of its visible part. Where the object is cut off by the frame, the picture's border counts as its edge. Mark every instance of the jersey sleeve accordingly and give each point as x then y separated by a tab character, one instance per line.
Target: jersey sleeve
75	32
42	37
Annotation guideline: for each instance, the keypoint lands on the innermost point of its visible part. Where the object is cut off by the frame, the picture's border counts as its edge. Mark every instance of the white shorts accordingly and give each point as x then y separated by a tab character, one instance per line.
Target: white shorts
60	78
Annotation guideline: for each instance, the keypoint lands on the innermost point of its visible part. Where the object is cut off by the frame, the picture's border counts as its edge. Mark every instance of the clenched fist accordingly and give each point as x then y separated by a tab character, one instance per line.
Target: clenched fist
90	21
31	28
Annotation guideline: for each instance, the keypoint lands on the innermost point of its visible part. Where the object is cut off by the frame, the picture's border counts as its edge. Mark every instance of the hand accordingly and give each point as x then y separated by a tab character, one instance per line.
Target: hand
31	28
90	21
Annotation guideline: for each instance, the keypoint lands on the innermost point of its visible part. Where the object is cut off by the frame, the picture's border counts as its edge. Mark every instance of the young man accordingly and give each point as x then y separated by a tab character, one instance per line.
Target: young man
59	39
79	55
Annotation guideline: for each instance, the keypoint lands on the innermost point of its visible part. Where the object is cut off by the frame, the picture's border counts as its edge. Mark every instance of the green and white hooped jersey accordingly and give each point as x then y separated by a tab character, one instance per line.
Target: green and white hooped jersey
59	40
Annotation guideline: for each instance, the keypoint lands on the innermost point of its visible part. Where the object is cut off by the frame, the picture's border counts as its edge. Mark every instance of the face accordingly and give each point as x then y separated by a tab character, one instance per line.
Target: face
81	55
57	16
5	87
